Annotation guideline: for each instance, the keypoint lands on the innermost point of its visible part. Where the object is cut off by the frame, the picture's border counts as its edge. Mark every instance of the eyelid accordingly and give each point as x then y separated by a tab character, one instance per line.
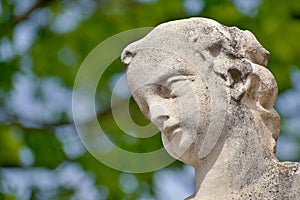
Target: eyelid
175	79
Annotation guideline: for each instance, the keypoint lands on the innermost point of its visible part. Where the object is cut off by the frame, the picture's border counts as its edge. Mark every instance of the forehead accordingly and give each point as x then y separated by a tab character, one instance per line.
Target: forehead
153	67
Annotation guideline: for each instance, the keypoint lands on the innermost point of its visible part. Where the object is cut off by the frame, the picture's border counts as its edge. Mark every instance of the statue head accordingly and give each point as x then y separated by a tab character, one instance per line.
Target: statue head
188	76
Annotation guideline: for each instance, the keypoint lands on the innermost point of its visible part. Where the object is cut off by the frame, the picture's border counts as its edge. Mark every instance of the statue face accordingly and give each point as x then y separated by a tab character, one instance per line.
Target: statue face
188	77
176	100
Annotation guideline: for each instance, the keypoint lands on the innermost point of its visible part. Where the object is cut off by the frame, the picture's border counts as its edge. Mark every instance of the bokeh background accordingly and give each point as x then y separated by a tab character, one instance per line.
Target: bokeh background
43	43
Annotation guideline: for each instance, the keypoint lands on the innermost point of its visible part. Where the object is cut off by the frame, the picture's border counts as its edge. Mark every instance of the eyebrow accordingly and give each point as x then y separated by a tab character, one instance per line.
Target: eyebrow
174	79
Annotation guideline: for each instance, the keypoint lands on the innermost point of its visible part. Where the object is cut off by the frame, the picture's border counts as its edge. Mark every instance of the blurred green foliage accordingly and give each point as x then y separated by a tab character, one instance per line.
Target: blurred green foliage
42	44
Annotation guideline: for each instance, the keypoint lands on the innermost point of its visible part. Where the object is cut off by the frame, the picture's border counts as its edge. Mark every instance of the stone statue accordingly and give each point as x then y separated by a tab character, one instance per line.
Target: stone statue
207	88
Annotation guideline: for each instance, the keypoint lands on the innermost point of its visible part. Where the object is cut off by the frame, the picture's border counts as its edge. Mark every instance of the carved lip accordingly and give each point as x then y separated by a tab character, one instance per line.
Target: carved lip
171	130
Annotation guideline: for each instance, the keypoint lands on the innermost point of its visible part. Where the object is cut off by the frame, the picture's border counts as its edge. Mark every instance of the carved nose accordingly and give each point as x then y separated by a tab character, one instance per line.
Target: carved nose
158	114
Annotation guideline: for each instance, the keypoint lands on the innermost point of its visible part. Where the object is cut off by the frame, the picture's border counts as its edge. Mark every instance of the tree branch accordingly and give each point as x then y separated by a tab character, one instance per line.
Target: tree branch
26	14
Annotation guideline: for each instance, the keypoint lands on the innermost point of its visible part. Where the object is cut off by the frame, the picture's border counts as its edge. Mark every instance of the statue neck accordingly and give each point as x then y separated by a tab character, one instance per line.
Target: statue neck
236	162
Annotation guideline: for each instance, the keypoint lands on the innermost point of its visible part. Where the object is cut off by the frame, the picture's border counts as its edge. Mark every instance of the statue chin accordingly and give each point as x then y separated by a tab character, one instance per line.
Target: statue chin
182	148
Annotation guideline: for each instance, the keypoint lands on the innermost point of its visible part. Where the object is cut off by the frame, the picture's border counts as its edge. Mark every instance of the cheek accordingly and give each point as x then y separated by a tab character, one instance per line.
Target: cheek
197	115
196	109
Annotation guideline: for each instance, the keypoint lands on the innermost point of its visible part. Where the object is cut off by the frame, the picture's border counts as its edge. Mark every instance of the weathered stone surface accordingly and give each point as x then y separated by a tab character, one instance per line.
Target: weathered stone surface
207	88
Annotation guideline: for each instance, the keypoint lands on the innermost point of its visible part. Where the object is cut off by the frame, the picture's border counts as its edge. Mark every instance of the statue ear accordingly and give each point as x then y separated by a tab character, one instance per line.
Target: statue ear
236	81
252	89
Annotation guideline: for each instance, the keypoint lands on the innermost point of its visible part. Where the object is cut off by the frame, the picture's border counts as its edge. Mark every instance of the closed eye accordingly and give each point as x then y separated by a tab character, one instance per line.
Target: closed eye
164	92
